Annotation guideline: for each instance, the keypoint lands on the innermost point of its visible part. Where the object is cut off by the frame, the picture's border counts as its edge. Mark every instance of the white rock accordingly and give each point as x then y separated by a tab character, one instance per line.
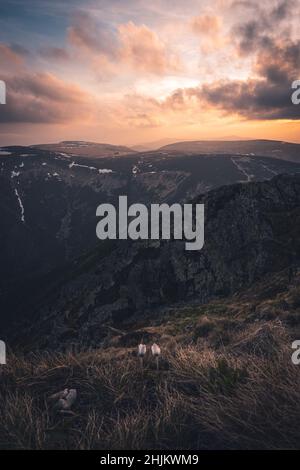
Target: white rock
155	349
142	349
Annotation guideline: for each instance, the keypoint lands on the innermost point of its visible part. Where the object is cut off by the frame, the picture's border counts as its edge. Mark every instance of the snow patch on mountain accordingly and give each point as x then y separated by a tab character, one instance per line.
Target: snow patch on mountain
21	206
82	166
238	164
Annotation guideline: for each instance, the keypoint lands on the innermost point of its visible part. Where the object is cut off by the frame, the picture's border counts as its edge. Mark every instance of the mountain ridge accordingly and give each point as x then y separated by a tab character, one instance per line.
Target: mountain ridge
85	148
251	231
269	148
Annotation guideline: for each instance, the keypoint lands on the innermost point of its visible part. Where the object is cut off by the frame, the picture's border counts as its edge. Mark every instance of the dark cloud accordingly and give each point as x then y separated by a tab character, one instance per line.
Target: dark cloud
252	99
276	64
282	10
19	49
96	37
55	53
9	58
267	23
42	98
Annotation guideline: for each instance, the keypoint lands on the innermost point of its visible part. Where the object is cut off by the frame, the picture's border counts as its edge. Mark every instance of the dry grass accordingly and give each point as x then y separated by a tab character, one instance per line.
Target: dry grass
199	399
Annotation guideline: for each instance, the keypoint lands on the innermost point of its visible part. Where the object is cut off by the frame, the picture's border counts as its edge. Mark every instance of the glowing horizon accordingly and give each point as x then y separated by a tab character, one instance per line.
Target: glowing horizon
129	73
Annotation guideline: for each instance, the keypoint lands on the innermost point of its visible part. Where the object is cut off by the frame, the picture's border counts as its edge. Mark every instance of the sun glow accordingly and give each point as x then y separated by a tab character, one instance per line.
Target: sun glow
165	86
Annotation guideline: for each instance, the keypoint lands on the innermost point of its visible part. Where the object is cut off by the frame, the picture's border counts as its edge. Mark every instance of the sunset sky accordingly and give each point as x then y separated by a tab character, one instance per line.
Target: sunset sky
135	71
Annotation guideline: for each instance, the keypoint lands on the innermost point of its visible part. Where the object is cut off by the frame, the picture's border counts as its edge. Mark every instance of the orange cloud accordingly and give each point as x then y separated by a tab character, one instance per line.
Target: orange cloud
142	49
9	59
210	29
86	34
131	46
207	24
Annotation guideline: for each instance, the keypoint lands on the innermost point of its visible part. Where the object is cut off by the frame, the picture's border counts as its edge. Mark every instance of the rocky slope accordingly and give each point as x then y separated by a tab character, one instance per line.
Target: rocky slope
251	230
49	199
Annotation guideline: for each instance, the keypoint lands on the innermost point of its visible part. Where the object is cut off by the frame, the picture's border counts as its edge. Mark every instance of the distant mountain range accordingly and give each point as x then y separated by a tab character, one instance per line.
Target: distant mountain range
155	145
86	149
267	148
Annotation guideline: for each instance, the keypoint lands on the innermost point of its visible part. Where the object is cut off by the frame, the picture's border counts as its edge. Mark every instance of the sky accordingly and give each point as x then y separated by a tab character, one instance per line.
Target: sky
134	71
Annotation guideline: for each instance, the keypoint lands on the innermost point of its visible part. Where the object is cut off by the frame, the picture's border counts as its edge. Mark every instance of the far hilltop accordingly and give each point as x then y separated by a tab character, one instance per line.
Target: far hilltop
86	149
268	148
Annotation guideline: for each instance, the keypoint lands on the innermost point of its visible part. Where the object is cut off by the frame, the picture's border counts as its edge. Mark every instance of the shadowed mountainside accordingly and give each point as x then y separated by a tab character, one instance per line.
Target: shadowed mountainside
224	317
48	200
251	231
